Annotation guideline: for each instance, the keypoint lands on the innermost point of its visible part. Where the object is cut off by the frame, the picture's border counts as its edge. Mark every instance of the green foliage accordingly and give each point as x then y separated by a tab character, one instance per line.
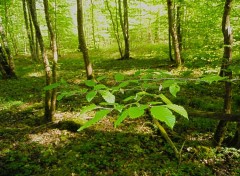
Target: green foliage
212	78
134	105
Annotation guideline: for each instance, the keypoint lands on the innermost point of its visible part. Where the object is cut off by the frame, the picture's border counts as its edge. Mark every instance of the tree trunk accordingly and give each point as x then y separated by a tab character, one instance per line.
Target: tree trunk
93	24
227	59
55	57
6	60
115	29
30	38
82	42
32	7
125	26
173	31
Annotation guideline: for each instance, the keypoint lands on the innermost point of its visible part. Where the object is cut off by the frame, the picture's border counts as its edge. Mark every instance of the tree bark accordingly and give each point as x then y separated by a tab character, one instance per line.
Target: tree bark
55	58
93	25
227	59
173	31
47	106
6	59
29	34
125	27
82	42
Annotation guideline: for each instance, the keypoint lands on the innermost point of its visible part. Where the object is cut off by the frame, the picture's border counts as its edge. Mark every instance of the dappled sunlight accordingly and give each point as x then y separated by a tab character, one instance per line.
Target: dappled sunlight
4	105
36	74
51	137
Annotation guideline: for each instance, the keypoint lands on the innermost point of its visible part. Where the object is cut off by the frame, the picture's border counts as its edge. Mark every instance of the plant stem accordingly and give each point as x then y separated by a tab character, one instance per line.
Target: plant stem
167	138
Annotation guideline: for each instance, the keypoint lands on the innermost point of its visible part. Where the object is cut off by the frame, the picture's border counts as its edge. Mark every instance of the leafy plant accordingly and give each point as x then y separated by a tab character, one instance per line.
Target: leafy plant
143	99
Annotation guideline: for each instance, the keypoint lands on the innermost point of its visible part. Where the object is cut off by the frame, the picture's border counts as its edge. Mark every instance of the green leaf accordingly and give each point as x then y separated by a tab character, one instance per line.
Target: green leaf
121	118
174	89
135	112
178	109
98	116
107	96
101	78
119	77
168	83
90	83
100	86
90	95
88	108
51	86
123	84
163	114
118	107
129	98
165	99
211	78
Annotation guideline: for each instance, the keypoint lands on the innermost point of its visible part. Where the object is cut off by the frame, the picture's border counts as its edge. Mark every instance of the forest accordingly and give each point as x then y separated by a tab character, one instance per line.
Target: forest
119	87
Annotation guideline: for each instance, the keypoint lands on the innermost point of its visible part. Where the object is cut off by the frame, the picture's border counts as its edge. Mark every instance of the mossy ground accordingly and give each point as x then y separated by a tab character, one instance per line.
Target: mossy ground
29	147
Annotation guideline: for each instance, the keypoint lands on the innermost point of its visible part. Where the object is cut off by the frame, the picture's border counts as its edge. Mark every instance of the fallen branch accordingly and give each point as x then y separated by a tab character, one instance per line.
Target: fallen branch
214	115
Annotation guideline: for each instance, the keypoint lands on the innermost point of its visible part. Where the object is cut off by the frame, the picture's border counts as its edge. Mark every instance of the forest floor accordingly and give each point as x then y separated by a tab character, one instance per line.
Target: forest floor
135	148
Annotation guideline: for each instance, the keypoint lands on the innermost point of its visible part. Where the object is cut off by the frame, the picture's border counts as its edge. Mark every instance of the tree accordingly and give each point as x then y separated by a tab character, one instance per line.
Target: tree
115	27
173	32
30	34
227	59
82	42
47	105
125	26
55	58
6	59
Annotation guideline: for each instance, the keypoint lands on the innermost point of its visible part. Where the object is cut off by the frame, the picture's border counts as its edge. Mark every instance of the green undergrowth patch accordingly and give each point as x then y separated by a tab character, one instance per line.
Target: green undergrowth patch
30	147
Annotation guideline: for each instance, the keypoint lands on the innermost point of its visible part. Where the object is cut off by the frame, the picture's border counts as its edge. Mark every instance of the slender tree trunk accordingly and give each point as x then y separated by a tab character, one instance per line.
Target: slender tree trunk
169	44
125	26
32	7
126	29
6	59
179	23
115	28
173	31
227	59
82	42
30	39
55	57
93	25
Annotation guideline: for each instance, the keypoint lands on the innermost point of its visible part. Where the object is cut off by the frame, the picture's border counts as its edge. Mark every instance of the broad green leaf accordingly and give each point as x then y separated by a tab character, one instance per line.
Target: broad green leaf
107	96
90	83
90	95
98	116
135	112
174	89
178	109
168	83
123	84
88	108
165	99
100	86
51	86
118	107
129	98
121	118
211	78
101	78
163	114
119	77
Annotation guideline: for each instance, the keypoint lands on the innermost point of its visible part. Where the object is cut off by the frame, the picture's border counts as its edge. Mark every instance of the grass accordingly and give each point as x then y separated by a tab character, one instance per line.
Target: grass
29	147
